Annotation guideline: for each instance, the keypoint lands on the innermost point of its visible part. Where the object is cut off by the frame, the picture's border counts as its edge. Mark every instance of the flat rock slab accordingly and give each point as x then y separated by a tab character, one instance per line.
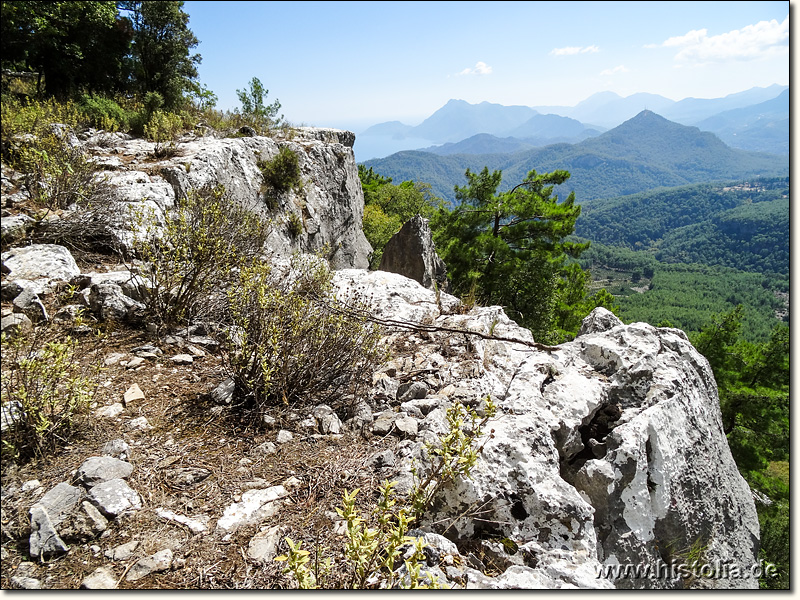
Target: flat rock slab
114	497
102	468
256	505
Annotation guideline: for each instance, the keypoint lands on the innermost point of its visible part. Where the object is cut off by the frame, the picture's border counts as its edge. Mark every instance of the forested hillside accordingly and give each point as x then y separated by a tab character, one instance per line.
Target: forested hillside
743	225
644	153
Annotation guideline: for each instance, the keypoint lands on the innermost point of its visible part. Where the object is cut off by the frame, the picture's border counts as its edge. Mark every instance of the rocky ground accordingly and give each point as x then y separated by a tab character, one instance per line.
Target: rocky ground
605	450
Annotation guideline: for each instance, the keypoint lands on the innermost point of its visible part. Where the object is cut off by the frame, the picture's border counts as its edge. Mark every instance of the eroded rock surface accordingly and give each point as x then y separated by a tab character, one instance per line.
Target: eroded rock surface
605	450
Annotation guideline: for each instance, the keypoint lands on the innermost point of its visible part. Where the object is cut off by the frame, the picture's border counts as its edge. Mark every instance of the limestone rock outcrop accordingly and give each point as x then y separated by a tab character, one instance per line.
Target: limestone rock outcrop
330	203
607	450
411	252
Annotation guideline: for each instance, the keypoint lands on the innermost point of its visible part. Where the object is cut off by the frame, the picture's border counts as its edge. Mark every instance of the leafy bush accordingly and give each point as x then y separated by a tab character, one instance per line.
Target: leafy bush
163	128
35	141
45	391
370	554
204	239
31	117
281	173
294	224
293	341
104	113
454	455
378	229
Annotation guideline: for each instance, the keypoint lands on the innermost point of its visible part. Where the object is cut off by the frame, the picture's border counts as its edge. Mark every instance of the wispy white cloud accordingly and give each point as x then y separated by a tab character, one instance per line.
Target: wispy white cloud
480	68
762	40
573	50
615	70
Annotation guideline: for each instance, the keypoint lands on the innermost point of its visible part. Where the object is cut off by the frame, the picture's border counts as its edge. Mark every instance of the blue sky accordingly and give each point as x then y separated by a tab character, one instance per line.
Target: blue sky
354	64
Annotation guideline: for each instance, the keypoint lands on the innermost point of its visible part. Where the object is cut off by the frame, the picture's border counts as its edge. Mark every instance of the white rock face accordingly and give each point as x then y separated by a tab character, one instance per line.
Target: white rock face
330	204
606	450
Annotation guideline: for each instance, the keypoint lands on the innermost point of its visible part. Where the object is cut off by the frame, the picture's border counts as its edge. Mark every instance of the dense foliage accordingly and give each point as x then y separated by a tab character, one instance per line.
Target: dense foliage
387	207
511	249
753	382
101	48
687	296
744	225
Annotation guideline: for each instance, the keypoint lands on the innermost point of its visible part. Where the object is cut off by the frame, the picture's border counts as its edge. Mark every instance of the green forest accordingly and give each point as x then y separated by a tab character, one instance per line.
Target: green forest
683	233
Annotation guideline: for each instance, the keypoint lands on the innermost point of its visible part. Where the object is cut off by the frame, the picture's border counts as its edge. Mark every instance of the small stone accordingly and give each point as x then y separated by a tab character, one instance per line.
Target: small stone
135	362
223	393
140	423
196	526
263	546
101	579
182	359
113	358
284	437
26	583
155	563
133	394
406	426
195	351
412	391
31	485
109	412
117	448
123	551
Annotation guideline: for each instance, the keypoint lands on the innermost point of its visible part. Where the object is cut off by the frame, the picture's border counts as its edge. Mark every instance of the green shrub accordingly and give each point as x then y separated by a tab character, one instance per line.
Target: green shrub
104	113
46	389
204	240
378	229
163	128
454	455
281	173
294	224
370	554
32	117
371	557
35	142
294	342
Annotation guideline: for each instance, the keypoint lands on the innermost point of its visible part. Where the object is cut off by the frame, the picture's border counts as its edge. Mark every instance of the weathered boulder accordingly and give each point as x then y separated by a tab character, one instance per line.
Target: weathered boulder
110	303
28	303
46	517
13	228
16	324
411	252
114	497
394	296
41	264
98	469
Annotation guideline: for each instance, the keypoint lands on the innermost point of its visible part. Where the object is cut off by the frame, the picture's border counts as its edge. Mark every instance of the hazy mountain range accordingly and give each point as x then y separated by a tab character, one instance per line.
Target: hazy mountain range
645	152
756	119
